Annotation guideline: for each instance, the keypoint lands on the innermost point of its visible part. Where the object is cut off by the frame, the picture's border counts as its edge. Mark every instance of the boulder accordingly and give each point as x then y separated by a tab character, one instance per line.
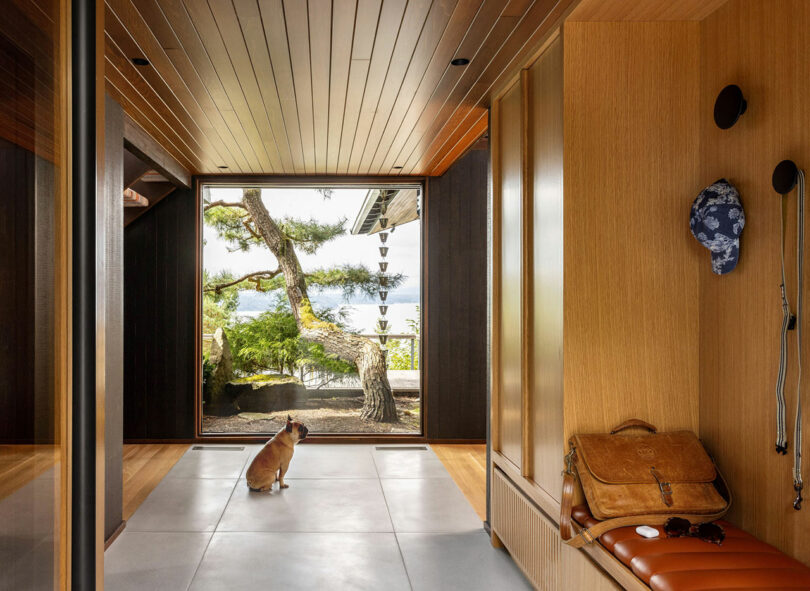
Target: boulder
266	393
220	358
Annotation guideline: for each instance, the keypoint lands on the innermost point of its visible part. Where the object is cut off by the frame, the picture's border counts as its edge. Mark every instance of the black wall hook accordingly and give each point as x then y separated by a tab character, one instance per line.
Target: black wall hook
728	107
785	176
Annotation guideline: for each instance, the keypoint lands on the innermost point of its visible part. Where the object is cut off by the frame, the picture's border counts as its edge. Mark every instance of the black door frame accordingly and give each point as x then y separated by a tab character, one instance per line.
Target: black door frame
85	159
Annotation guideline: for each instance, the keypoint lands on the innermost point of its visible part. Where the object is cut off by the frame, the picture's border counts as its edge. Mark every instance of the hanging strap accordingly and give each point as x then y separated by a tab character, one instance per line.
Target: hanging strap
788	322
797	437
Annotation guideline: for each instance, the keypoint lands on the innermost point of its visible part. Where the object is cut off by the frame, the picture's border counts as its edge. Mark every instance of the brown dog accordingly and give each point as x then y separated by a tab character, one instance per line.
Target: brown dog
271	463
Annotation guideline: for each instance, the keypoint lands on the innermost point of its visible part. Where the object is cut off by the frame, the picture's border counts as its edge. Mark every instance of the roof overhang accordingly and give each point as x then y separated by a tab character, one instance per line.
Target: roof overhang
403	207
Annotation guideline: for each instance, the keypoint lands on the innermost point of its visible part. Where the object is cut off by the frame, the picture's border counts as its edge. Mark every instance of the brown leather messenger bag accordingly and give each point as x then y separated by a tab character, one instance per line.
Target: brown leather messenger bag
640	479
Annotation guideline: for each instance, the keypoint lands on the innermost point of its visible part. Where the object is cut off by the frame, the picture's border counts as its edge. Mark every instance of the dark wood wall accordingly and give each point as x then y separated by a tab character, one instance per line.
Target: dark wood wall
456	299
17	317
159	313
27	403
159	333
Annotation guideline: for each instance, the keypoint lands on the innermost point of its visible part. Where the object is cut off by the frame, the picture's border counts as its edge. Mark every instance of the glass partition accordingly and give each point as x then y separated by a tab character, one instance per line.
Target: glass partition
33	320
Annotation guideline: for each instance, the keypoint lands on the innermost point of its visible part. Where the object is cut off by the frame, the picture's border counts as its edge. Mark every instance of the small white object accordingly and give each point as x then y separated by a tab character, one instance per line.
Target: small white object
647	531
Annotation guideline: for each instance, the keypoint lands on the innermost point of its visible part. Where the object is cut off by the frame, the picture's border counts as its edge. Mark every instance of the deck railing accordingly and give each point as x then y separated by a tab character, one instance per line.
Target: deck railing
400	337
413	338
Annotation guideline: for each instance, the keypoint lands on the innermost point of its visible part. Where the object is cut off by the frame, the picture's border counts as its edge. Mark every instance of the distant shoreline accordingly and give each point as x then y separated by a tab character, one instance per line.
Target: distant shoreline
252	301
363	317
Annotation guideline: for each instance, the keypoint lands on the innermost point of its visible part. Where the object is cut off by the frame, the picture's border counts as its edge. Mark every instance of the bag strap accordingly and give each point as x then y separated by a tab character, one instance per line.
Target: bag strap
587	535
634	423
797	436
788	323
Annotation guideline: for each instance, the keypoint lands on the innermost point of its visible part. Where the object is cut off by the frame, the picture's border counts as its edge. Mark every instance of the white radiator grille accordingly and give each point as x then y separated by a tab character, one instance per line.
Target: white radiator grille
532	540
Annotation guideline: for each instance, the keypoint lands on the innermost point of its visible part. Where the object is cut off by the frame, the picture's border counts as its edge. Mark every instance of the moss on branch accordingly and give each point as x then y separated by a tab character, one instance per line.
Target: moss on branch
312	322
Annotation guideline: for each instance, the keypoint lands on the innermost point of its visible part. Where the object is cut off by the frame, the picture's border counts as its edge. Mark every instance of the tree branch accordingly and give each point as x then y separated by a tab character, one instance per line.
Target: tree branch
257	275
250	229
223	204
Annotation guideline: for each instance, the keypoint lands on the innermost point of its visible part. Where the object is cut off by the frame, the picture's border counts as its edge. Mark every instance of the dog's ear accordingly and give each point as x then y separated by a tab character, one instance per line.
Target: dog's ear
289	424
289	419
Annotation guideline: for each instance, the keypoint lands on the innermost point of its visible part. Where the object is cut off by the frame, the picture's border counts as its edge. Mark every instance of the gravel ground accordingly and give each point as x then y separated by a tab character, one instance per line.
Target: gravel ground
321	415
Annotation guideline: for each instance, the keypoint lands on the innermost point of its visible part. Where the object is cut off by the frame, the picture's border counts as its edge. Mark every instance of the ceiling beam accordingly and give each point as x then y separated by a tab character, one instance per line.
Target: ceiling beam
134	169
134	199
140	143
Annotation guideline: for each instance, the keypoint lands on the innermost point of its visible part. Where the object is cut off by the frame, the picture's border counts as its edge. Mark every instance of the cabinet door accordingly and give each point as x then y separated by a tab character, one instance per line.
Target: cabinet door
510	341
545	110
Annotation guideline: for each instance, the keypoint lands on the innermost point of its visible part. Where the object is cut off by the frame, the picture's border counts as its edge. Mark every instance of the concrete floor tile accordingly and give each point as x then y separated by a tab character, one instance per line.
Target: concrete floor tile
156	561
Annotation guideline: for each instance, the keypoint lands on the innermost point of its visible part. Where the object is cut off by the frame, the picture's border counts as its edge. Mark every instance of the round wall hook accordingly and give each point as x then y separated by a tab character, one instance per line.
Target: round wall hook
728	107
785	176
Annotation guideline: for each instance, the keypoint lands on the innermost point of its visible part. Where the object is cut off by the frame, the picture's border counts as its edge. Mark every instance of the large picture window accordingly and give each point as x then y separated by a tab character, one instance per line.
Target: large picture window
311	307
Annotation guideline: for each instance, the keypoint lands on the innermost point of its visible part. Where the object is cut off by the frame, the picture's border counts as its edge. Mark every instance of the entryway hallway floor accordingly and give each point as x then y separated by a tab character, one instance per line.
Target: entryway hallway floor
354	517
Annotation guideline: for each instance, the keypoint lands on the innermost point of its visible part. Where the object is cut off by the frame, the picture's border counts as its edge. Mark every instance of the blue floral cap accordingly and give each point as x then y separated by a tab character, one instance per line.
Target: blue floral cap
717	219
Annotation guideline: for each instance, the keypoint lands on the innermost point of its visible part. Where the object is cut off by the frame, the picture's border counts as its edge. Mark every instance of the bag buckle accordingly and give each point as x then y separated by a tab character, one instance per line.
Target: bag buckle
569	463
664	486
586	535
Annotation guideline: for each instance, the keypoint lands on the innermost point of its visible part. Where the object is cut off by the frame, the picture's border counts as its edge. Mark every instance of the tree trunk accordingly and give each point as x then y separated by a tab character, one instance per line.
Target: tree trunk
365	354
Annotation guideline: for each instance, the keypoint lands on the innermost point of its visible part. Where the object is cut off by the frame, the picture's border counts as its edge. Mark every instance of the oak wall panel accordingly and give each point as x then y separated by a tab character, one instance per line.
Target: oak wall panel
762	47
631	264
578	572
644	10
510	179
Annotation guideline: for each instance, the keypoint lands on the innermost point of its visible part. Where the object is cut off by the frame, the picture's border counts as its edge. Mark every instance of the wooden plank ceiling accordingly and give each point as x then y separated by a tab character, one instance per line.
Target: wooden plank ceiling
316	86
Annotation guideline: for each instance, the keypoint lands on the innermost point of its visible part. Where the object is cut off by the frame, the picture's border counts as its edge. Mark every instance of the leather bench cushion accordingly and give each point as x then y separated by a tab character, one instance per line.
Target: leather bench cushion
745	578
647	566
689	564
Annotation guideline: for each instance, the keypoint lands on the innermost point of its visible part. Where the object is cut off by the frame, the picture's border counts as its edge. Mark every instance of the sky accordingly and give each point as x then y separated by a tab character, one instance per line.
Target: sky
404	242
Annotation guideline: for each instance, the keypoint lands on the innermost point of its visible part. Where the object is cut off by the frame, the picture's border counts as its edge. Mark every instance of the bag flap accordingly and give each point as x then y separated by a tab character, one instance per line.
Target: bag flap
627	459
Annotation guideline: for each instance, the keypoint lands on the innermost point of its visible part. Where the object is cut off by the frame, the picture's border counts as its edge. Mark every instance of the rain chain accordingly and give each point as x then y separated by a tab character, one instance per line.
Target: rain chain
383	276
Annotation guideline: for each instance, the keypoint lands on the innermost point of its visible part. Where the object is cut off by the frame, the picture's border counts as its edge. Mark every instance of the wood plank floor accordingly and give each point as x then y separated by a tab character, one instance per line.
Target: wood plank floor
145	465
20	464
467	465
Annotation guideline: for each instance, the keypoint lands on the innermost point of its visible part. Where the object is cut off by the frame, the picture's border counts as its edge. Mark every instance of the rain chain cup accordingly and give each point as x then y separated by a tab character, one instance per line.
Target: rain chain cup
384	280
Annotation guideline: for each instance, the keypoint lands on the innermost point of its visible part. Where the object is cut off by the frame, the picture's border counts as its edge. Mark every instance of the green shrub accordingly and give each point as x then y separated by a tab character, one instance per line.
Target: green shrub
271	342
399	350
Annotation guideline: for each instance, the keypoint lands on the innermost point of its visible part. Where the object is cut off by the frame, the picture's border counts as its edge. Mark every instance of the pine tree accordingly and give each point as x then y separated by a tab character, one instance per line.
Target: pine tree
246	225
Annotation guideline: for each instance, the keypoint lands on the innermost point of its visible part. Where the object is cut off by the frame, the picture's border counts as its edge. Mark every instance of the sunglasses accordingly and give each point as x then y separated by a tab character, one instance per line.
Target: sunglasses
676	527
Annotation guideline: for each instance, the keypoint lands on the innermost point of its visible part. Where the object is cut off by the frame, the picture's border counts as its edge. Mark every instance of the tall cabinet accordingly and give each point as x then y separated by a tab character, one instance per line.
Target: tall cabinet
604	307
595	295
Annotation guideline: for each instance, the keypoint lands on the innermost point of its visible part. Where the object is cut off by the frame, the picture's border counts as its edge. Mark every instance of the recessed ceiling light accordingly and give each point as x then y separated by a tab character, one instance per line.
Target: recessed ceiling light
460	61
223	167
140	61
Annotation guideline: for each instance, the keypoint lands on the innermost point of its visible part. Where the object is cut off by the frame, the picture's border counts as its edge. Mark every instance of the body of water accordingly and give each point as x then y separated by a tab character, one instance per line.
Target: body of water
363	317
362	312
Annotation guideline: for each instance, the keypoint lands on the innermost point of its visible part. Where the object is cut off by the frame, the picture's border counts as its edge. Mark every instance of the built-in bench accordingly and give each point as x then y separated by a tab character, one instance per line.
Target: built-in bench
689	564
